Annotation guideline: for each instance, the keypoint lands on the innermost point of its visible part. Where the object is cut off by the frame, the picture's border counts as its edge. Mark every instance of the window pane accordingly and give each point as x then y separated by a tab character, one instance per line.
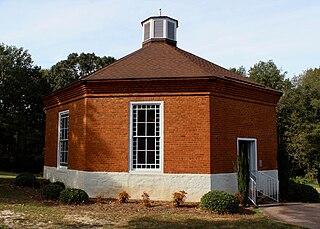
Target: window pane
141	157
141	129
151	143
141	143
150	129
141	116
151	115
150	157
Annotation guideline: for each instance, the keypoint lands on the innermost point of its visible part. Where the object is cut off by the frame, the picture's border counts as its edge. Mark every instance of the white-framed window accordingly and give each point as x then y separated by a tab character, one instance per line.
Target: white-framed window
63	137
146	138
146	34
171	30
158	28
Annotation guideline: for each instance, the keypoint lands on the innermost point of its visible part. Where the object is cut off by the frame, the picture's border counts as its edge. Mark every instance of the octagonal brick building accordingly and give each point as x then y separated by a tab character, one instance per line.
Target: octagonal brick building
159	120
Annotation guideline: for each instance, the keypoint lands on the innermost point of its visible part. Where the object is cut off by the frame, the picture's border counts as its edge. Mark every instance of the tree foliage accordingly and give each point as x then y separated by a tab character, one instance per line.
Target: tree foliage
22	87
240	70
243	173
300	118
75	67
268	74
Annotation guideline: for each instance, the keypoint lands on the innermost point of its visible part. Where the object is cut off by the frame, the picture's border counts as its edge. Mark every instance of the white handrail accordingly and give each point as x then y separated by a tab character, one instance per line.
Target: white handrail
253	191
268	186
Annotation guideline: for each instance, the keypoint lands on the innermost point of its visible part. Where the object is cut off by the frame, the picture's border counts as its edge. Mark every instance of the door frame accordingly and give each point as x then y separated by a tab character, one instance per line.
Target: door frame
254	140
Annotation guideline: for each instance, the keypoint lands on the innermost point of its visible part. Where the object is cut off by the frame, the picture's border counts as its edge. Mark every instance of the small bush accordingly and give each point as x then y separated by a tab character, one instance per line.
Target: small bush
146	199
99	198
25	179
73	196
61	184
219	202
51	192
302	193
178	198
123	197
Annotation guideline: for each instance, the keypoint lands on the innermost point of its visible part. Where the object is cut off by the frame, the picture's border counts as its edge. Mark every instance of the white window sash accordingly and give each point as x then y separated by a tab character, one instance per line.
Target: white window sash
157	138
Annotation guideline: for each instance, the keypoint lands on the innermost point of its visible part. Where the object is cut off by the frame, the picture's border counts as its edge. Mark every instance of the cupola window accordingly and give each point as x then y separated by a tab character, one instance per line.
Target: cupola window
158	29
146	31
171	30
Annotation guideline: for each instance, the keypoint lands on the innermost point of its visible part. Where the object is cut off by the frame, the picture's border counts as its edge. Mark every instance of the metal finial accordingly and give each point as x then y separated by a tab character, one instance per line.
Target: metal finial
160	11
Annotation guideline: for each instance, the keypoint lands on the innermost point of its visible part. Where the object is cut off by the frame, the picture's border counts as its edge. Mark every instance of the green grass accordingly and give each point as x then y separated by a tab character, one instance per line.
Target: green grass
7	175
21	208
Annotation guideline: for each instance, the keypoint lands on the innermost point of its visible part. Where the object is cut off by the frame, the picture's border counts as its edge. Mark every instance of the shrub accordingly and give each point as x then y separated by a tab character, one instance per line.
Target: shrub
219	202
243	174
123	197
25	179
302	193
61	184
99	198
146	199
73	196
178	198
51	192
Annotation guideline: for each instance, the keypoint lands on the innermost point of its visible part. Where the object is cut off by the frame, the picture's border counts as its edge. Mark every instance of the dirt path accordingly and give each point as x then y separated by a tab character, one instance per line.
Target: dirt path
305	215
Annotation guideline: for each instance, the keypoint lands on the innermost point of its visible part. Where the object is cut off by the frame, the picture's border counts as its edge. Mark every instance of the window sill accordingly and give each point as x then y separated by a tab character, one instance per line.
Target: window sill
62	168
146	171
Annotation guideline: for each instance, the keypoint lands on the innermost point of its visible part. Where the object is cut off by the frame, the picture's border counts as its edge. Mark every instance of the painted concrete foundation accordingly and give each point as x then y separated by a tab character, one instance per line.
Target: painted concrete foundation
158	186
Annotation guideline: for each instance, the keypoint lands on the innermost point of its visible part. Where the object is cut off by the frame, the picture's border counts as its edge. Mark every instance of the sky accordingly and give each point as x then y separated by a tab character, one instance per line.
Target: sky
230	33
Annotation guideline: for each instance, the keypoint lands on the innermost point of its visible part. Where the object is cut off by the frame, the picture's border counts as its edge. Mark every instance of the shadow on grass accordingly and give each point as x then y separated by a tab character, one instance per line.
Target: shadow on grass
149	222
9	193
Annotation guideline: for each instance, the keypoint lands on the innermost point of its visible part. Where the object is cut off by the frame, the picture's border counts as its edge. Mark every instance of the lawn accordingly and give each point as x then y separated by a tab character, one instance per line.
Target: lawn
23	208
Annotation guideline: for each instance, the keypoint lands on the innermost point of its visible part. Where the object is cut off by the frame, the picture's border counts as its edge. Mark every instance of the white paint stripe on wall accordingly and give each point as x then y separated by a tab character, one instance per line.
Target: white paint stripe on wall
158	186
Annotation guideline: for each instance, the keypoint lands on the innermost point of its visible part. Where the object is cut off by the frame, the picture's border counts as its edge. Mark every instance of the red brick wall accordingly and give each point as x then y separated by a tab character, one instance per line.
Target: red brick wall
186	134
233	118
77	133
186	139
99	124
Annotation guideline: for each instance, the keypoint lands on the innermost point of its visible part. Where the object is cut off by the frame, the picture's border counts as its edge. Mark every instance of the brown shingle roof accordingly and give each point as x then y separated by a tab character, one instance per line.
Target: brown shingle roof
161	60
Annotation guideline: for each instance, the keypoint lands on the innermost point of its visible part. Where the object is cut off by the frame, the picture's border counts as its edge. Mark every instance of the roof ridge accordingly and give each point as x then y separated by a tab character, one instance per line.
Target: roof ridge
195	57
233	76
183	53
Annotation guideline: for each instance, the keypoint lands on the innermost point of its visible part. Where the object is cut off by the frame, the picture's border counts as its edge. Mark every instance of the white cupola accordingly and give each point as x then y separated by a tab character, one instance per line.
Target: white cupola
160	28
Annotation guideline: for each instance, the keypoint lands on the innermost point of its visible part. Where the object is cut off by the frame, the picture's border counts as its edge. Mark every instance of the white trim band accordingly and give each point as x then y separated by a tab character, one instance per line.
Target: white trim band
158	186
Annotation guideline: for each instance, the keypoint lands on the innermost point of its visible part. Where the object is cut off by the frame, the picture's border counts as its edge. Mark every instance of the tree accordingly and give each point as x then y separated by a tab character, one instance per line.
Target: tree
243	173
240	70
268	74
22	87
75	67
301	106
